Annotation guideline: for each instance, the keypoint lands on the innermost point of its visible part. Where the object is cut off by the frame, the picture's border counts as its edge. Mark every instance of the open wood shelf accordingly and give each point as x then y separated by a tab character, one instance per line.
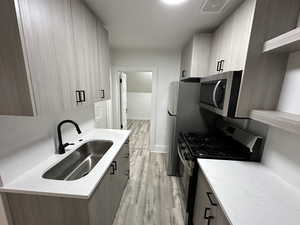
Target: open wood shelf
286	121
287	42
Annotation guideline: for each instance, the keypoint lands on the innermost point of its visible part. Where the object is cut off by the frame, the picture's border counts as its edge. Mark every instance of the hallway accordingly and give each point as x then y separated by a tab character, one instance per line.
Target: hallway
151	197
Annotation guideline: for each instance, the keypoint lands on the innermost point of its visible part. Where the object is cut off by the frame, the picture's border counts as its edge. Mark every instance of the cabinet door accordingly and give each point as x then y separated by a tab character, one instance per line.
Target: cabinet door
120	176
48	46
101	201
226	44
186	60
81	23
15	86
123	161
242	25
221	218
93	61
204	210
104	62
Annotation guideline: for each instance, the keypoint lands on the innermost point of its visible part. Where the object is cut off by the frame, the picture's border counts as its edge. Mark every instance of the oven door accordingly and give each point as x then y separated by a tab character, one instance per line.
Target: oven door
185	174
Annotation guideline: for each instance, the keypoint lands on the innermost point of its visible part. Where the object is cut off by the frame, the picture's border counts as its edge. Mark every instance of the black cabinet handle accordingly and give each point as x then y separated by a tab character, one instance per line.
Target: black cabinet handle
113	169
115	164
206	210
83	96
103	93
209	194
183	73
222	65
218	66
208	218
78	97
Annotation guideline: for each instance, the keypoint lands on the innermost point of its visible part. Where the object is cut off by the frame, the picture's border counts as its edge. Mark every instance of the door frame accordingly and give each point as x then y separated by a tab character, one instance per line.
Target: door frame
116	96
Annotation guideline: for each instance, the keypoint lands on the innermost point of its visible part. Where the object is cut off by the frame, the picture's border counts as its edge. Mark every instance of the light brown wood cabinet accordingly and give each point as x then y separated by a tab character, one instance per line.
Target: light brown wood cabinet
207	209
239	42
49	51
99	209
103	85
195	57
231	40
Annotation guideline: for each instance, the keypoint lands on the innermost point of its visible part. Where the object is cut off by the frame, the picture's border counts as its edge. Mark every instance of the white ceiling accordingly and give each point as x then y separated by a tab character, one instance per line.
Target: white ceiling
151	24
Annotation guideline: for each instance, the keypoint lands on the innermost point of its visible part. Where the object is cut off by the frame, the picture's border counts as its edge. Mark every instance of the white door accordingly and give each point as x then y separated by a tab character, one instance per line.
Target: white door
123	100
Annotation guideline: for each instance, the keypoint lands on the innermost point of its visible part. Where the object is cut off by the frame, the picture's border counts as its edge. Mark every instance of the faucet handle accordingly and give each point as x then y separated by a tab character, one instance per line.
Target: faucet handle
67	144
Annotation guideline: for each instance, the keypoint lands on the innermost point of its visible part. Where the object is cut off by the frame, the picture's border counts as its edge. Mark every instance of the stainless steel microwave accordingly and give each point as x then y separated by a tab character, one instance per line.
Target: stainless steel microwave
219	93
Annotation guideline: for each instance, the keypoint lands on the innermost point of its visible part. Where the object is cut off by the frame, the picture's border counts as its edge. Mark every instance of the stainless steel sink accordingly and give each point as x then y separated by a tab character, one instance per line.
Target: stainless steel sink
80	162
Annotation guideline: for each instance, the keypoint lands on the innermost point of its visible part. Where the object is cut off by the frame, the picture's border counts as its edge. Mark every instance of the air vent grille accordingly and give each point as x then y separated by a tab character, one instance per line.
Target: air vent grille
214	6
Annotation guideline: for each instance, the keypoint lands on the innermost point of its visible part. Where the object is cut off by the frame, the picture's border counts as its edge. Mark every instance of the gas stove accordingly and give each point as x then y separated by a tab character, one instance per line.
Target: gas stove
218	146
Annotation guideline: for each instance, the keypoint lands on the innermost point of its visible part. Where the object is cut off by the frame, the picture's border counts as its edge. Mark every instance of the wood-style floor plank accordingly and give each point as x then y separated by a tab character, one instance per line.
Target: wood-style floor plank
151	197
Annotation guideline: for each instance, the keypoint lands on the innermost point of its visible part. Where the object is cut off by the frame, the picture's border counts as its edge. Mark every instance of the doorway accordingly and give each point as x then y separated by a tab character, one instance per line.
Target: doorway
117	71
135	97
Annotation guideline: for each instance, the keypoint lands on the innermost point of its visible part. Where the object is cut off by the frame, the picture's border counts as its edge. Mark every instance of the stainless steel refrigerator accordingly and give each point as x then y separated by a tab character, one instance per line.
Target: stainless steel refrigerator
184	115
172	113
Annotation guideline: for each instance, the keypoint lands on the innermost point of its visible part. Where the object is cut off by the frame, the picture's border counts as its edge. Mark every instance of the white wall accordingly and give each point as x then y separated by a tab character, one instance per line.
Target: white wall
167	63
139	105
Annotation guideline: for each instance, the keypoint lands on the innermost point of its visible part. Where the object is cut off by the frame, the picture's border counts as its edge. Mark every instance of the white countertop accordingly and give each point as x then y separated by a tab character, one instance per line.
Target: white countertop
32	182
251	194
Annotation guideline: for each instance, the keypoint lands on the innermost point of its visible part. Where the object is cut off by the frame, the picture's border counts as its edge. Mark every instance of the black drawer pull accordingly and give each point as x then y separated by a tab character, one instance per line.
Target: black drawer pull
208	218
113	169
115	165
218	66
83	96
222	65
205	213
103	93
78	98
209	194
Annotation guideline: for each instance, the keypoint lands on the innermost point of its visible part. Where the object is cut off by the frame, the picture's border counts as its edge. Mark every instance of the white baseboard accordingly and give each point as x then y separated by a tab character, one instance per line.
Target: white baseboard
159	148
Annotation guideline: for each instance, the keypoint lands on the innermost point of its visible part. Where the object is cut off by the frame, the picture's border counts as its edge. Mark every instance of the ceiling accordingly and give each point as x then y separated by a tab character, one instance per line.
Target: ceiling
152	24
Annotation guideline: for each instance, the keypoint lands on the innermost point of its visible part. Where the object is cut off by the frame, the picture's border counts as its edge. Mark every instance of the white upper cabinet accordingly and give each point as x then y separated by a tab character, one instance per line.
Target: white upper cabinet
195	57
49	56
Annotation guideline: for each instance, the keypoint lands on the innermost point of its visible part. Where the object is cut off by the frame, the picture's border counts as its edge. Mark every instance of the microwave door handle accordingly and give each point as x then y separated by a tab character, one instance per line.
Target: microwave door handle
215	93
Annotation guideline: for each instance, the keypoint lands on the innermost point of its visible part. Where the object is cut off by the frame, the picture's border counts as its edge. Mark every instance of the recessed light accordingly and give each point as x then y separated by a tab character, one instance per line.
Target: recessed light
173	2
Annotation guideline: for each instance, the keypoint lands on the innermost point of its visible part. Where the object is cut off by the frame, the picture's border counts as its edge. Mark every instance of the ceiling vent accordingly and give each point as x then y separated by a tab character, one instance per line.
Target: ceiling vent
213	6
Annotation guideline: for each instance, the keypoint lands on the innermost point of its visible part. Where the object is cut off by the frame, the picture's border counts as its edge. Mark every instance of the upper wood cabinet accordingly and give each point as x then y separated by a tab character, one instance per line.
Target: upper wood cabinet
195	57
231	40
49	52
103	86
238	44
85	43
15	86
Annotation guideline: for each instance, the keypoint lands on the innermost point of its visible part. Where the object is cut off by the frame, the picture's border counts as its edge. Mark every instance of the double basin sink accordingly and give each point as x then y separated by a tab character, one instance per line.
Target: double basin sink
80	162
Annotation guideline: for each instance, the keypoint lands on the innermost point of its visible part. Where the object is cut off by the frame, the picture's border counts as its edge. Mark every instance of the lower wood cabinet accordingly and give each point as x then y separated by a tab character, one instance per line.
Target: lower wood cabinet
207	210
99	209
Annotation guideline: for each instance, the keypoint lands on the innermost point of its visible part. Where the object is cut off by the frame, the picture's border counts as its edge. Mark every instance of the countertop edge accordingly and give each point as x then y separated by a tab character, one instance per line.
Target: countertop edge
9	189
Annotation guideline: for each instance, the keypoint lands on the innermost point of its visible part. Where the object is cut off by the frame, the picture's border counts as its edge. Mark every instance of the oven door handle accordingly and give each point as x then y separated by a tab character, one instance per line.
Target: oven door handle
190	171
215	93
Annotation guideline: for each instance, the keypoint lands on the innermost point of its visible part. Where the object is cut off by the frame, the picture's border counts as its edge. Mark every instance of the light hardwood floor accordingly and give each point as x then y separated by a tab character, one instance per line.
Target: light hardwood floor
151	197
